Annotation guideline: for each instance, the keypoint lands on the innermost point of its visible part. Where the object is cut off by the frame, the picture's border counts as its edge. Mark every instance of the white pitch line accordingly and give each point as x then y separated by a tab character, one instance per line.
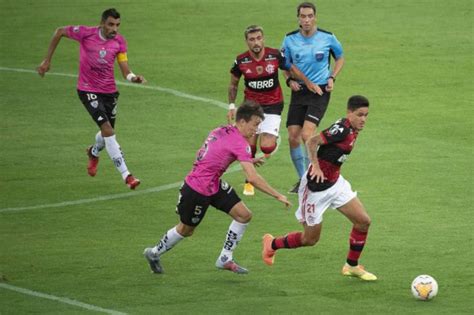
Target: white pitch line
106	197
141	86
64	300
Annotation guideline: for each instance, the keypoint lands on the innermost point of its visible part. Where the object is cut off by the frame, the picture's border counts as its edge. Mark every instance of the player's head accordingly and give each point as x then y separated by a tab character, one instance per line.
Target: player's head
110	23
306	13
254	38
249	115
357	111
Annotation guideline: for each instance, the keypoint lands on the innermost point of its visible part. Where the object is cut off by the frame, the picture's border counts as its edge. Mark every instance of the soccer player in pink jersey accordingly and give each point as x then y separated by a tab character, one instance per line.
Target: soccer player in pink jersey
99	47
323	187
203	187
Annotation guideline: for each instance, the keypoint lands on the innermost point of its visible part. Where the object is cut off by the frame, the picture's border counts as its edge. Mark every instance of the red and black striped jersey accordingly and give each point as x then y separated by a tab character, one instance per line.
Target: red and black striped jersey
338	140
261	76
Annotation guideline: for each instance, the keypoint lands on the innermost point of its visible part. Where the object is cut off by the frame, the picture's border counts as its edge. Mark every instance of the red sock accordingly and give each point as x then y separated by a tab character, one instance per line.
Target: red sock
356	245
268	150
292	240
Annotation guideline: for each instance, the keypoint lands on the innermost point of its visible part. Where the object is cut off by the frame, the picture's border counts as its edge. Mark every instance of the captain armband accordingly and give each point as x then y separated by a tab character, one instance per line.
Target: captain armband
122	57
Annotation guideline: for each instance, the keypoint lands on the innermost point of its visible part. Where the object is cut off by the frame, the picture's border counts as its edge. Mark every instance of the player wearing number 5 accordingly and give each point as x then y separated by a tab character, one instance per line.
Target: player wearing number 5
203	187
99	47
323	187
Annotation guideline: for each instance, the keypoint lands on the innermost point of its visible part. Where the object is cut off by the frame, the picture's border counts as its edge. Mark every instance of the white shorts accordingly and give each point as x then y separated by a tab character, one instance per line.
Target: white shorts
270	125
312	205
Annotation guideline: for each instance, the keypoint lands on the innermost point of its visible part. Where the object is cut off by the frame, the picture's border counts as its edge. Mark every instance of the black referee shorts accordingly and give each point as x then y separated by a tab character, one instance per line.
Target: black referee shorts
306	105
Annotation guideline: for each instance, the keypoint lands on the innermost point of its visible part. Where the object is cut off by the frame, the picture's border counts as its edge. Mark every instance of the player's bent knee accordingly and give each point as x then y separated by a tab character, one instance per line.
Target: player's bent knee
363	224
245	217
306	135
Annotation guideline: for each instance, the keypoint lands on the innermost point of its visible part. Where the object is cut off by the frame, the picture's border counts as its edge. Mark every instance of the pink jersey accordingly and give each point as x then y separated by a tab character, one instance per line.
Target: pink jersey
97	56
223	146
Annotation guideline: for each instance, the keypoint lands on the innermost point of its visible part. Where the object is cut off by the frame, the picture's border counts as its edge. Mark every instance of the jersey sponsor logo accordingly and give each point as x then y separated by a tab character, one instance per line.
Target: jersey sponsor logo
263	84
259	69
335	129
246	60
319	55
75	29
270	68
249	151
270	57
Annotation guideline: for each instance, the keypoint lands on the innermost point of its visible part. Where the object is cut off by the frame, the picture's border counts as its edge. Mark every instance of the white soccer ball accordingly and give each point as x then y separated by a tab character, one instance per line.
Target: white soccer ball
424	287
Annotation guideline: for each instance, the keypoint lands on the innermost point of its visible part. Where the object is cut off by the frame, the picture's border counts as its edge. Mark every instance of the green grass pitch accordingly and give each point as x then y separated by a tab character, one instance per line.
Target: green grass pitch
412	165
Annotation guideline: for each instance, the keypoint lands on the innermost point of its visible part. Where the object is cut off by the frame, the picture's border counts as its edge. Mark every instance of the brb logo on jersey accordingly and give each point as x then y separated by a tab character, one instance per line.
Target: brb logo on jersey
262	84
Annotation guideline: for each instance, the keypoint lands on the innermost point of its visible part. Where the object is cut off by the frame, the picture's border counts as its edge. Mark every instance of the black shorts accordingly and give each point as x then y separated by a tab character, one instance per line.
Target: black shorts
306	105
102	107
192	206
275	109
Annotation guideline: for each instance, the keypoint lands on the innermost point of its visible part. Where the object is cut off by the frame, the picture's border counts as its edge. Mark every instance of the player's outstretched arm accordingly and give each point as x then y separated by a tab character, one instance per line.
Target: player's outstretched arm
261	184
126	72
46	63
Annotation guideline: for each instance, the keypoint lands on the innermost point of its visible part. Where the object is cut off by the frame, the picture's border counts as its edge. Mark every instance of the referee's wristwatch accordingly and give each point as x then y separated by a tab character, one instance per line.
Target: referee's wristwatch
333	78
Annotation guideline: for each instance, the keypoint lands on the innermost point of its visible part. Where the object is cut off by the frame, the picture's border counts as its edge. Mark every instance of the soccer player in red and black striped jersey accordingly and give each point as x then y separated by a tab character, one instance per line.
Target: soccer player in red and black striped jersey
323	187
259	66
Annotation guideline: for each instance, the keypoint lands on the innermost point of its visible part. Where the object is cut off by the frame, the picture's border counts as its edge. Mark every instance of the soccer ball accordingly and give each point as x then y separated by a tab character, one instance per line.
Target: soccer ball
424	287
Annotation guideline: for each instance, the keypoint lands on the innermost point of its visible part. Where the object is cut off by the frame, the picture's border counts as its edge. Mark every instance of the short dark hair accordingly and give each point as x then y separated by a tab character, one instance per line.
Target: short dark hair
110	12
248	109
357	101
305	5
252	29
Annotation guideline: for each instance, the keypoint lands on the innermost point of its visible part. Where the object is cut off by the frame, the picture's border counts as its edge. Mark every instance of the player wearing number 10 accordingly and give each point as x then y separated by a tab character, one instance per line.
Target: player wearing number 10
99	47
203	187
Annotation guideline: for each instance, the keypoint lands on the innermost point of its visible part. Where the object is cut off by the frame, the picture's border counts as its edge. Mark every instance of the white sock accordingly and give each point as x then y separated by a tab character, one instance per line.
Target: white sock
113	149
234	235
171	238
99	144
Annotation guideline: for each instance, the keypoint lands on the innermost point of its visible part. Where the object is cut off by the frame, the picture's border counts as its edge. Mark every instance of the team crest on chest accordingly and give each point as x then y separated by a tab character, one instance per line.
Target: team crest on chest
270	68
102	53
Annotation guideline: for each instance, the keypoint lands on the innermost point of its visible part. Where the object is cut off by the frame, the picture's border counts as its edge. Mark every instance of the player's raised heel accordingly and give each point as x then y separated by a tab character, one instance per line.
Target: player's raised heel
249	189
132	182
153	261
358	271
93	162
268	253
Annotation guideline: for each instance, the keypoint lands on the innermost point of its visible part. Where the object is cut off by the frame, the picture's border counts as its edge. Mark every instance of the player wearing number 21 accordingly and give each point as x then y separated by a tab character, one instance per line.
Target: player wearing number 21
323	187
